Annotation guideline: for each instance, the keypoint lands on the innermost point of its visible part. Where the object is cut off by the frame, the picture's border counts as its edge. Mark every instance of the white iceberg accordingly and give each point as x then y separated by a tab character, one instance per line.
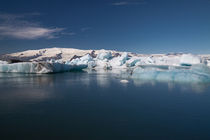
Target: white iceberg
3	62
85	60
133	61
119	61
189	59
104	55
161	67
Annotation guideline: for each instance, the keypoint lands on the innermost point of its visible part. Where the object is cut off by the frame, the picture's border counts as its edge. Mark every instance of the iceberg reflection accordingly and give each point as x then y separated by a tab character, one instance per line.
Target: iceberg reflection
187	86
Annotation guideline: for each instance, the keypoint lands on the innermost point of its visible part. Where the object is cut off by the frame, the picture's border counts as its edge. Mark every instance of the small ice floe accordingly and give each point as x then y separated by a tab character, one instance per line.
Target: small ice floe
124	81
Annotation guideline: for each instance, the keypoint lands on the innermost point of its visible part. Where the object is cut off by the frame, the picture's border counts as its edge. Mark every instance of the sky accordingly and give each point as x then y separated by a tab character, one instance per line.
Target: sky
141	26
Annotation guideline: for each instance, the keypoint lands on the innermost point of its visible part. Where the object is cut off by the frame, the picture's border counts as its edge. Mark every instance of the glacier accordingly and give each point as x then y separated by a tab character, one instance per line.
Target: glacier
160	67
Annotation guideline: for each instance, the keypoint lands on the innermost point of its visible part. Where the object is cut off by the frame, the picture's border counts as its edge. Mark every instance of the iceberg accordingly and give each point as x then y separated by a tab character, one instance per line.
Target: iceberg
35	67
3	62
82	60
104	55
85	60
25	67
196	73
160	67
119	61
189	59
132	61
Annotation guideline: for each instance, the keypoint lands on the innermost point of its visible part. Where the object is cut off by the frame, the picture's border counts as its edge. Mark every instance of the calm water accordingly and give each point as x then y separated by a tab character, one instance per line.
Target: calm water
98	106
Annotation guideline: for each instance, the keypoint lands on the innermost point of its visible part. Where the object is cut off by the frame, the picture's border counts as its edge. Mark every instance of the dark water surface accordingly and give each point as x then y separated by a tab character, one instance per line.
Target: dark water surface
97	106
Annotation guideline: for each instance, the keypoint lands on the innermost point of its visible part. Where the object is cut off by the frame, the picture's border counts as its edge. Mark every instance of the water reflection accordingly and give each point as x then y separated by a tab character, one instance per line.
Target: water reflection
22	80
183	86
22	88
103	80
79	103
17	90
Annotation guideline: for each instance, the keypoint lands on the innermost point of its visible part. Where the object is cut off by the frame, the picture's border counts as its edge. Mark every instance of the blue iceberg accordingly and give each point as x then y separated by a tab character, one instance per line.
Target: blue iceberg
194	73
41	67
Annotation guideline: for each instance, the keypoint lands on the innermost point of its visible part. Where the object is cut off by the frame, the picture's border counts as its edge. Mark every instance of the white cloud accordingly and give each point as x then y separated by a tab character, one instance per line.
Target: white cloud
28	32
16	26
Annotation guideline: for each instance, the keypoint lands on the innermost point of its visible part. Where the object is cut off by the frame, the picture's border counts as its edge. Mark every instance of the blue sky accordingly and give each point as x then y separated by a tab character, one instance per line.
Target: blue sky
143	26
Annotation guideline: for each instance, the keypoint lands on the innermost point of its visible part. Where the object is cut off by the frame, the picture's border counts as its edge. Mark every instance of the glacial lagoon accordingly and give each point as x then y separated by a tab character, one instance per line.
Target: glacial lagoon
97	105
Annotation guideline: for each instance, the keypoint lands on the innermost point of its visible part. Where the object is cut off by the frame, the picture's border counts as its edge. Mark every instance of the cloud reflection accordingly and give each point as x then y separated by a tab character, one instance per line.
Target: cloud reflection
18	90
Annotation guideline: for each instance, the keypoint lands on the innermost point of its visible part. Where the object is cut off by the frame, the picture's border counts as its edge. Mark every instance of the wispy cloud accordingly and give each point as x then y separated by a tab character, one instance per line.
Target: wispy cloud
120	3
28	32
68	33
85	29
123	3
20	27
